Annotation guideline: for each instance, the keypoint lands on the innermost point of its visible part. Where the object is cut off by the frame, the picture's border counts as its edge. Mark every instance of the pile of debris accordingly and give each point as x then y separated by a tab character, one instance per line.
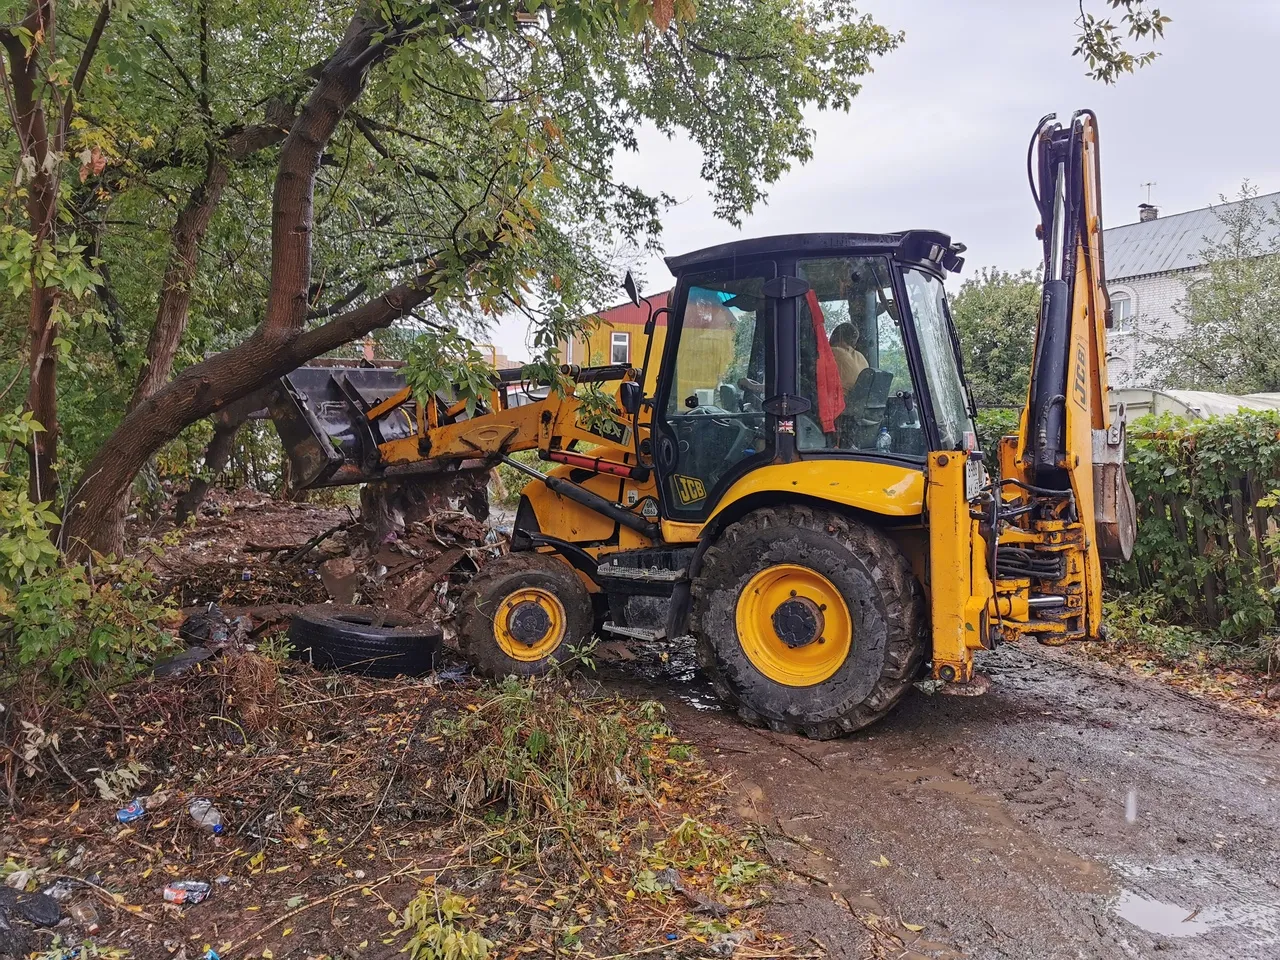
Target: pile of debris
251	563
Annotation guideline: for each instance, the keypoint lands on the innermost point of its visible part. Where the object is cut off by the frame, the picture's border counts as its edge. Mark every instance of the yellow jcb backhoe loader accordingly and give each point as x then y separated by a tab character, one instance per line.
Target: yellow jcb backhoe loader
804	485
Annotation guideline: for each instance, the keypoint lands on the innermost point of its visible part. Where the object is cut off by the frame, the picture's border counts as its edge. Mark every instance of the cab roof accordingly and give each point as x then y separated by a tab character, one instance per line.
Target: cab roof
910	244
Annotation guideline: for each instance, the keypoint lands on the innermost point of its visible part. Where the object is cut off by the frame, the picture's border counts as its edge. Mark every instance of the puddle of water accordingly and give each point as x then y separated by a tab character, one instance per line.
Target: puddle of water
1156	916
1222	896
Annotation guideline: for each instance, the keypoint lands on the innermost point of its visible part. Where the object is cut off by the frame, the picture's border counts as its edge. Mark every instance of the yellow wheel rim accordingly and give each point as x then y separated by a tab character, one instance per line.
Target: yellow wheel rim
529	624
794	625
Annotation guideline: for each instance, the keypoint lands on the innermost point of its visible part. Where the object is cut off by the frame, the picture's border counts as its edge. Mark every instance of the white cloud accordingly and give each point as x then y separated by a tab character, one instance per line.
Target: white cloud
938	136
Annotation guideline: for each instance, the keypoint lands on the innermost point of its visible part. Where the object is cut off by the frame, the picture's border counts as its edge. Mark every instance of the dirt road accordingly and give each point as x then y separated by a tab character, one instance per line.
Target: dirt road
1072	812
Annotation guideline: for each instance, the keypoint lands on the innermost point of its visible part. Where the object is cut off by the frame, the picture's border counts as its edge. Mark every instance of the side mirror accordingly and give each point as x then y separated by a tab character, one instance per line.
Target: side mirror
630	395
629	285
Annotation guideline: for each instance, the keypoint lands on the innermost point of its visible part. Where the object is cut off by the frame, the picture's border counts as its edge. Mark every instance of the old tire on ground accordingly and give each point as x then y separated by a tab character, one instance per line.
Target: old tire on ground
367	640
808	622
523	614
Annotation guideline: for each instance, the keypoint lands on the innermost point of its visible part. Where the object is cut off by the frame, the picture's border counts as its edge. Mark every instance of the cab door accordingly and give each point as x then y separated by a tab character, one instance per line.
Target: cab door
709	421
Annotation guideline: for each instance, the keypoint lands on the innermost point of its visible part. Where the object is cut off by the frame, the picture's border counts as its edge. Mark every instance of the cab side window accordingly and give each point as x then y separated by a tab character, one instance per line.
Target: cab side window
714	408
853	361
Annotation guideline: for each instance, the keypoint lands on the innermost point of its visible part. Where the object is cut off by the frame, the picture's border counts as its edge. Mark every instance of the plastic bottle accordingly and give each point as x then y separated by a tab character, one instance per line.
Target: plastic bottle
84	914
205	815
884	440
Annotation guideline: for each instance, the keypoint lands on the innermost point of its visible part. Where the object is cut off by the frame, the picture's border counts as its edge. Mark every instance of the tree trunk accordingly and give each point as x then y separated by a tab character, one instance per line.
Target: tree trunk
175	290
279	344
188	233
42	394
42	195
226	424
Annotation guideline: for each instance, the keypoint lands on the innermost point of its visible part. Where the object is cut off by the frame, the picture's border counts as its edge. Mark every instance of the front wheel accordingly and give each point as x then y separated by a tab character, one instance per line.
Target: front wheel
523	614
808	622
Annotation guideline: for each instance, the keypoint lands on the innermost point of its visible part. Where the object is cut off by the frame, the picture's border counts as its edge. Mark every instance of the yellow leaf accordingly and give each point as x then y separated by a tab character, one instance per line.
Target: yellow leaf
882	862
913	927
267	954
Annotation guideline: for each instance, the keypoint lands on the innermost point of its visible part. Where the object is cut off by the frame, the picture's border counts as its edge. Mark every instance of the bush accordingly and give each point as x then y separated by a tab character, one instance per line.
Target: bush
69	628
84	626
539	751
507	481
994	423
1202	491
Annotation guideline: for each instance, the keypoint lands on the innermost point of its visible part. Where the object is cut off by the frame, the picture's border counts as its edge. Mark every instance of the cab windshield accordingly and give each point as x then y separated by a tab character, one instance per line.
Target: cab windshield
928	304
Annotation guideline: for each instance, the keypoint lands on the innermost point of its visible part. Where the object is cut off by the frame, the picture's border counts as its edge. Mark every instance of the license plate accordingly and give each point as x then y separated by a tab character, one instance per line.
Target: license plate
975	478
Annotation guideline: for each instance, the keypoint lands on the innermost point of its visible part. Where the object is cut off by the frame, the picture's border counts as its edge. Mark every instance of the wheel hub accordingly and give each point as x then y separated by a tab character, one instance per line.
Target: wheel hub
528	622
798	622
794	625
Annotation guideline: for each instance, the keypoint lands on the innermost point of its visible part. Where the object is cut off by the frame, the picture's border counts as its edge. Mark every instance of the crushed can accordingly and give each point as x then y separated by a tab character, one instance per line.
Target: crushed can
135	810
186	891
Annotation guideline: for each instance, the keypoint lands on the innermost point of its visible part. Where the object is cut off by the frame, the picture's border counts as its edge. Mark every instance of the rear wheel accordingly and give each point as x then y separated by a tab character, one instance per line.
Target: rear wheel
523	614
808	622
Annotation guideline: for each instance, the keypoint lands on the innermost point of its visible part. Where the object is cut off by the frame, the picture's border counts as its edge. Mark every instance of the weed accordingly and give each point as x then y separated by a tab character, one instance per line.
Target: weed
692	844
440	922
740	873
647	883
1137	624
276	646
120	784
537	750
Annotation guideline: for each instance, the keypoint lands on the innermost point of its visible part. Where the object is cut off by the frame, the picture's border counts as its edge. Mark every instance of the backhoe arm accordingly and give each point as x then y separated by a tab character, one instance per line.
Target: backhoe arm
1035	538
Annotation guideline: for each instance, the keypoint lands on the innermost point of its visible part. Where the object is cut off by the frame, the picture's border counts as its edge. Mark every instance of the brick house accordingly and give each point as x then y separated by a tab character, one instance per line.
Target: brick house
1149	265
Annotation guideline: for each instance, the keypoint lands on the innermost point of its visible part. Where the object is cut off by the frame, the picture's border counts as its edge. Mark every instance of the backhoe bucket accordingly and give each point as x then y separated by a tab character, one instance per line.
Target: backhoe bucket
1114	507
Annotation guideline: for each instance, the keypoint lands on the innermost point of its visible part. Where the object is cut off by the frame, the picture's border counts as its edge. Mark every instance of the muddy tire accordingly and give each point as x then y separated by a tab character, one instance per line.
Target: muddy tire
870	590
522	615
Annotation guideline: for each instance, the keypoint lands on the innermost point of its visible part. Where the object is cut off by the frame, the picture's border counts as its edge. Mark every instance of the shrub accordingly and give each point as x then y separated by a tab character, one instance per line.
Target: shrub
539	751
507	482
1203	549
83	625
994	423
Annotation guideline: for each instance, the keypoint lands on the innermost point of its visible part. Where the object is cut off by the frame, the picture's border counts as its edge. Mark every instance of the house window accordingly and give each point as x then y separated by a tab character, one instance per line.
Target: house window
620	348
1121	313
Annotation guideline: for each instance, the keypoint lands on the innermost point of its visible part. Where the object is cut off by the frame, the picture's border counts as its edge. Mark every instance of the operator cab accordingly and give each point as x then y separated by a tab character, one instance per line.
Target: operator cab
806	346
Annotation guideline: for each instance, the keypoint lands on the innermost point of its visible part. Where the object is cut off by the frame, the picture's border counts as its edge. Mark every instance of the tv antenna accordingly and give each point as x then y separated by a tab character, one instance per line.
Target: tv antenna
1148	187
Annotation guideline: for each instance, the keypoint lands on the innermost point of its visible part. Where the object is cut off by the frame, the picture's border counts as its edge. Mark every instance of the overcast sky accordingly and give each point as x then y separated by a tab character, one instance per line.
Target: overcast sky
938	136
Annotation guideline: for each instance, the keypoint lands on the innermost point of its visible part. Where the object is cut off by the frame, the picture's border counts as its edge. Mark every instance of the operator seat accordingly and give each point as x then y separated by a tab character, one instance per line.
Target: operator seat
864	409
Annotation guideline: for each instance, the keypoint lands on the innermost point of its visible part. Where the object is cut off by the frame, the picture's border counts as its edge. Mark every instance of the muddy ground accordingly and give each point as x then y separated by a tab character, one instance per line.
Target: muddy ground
1072	812
1075	811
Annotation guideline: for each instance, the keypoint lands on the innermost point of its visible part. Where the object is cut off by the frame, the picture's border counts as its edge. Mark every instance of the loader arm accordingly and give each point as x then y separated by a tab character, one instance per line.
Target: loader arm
344	425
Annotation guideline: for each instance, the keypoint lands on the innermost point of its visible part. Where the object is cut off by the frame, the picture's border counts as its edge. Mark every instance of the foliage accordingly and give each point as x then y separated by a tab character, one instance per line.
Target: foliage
448	363
995	314
25	544
122	783
481	154
85	626
1101	43
1135	621
538	750
438	919
1198	485
992	424
507	481
1230	335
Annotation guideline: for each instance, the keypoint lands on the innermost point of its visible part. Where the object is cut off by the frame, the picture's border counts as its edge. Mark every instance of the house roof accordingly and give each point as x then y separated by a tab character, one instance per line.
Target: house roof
629	315
1174	242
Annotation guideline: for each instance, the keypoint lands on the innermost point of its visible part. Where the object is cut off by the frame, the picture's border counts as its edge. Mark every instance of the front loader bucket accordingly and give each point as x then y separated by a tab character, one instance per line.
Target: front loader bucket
320	415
